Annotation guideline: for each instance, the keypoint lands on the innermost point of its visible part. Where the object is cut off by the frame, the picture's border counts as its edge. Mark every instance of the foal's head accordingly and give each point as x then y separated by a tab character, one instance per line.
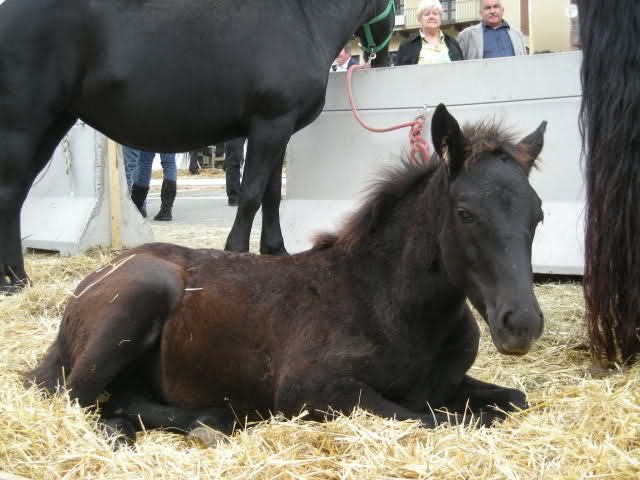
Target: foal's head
491	219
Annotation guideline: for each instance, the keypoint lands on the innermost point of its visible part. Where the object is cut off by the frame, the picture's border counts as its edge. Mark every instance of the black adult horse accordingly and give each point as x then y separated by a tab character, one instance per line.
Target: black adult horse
373	316
169	76
610	124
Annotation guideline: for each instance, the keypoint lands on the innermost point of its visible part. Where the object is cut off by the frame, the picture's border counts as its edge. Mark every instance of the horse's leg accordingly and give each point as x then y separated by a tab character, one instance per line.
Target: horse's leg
24	151
271	241
268	140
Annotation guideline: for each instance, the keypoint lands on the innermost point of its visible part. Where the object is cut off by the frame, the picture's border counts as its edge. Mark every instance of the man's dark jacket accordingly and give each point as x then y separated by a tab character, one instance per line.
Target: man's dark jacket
409	50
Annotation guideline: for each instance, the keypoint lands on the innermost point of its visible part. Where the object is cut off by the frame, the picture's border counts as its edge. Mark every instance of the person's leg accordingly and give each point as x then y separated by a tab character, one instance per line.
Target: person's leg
233	159
141	180
168	191
194	167
130	156
142	175
169	170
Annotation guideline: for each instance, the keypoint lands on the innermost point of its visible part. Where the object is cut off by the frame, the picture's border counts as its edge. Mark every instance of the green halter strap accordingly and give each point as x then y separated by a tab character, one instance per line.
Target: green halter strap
371	46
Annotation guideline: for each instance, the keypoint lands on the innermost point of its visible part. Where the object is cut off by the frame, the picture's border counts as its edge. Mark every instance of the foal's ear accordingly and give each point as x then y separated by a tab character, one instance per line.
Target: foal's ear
447	139
534	142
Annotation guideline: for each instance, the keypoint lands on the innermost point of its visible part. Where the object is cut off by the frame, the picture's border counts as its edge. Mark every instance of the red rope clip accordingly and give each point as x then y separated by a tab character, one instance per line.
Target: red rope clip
417	143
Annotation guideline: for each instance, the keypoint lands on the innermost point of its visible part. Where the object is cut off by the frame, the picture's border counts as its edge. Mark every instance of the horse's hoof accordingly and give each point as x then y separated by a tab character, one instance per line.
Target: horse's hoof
276	252
207	435
13	288
8	290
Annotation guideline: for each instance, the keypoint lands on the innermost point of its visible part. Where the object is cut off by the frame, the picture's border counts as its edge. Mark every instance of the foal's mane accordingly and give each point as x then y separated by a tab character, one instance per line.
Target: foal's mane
490	136
394	182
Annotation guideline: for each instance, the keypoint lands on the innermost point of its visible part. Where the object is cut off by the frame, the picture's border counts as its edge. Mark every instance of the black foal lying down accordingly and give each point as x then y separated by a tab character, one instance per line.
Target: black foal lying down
375	315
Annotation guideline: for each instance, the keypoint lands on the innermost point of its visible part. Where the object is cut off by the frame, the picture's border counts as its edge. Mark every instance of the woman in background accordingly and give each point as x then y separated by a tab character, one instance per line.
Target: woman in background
430	44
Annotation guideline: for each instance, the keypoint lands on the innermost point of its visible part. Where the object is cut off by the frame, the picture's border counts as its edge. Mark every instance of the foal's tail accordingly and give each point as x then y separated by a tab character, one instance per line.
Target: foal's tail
49	373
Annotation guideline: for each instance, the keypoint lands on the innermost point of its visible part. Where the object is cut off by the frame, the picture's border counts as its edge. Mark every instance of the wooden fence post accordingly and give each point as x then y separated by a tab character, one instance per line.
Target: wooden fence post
114	194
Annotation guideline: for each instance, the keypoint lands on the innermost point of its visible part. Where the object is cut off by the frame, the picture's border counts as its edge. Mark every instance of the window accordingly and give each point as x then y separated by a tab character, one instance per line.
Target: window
448	11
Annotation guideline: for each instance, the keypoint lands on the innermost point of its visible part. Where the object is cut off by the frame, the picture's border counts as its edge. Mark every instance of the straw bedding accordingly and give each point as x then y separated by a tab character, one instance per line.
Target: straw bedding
578	426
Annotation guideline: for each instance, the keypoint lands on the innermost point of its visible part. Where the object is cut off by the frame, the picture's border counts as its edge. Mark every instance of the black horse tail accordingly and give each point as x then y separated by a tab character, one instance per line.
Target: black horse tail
611	148
49	373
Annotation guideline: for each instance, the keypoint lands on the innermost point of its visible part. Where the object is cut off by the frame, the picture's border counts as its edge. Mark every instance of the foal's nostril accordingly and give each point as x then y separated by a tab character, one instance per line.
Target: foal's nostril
506	320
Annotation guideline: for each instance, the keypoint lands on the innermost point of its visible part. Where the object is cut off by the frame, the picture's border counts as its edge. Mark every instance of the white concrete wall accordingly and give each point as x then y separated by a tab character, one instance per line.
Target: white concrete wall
331	161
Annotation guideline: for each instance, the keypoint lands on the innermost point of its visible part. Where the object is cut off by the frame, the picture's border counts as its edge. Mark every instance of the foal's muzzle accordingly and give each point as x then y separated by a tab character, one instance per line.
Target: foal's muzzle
514	331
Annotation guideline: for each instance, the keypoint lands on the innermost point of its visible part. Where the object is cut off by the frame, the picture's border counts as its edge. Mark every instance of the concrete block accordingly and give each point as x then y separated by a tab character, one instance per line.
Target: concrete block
68	208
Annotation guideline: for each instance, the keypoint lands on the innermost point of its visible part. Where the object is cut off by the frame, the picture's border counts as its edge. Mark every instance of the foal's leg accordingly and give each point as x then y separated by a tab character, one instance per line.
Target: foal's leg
27	142
321	395
465	392
267	142
483	397
140	407
125	326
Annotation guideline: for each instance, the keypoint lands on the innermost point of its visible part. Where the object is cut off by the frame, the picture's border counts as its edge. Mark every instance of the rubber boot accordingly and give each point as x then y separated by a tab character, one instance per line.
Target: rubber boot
167	196
138	196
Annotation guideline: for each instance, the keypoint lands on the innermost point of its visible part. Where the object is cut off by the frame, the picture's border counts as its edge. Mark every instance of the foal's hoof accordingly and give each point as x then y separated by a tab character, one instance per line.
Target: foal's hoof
488	418
516	400
121	431
207	435
508	400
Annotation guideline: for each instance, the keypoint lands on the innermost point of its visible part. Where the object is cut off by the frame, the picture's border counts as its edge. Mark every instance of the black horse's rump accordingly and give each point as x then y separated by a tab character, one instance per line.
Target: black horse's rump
167	77
374	315
610	128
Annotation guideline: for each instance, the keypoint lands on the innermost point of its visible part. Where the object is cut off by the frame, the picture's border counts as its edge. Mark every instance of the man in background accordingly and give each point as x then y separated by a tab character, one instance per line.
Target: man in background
344	60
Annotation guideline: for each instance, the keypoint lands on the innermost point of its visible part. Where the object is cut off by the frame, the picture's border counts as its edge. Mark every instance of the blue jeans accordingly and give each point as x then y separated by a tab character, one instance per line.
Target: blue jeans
130	156
142	174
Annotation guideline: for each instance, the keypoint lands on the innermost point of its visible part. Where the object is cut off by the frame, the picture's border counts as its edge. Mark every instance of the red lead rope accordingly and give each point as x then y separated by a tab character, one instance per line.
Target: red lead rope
418	144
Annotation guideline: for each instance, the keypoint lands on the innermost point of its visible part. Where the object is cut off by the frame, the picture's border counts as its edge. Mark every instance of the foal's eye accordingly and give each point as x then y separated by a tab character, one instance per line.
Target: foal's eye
465	215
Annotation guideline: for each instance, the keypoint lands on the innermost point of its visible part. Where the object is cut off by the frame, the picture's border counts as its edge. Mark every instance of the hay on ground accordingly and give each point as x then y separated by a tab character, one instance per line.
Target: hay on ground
577	427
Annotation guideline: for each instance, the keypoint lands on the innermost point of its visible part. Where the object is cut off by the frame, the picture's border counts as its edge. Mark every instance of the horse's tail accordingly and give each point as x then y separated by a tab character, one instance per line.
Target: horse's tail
49	373
611	148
